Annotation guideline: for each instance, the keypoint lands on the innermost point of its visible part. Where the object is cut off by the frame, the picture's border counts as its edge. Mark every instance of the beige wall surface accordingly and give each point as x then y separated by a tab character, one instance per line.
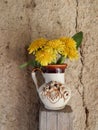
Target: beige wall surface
22	21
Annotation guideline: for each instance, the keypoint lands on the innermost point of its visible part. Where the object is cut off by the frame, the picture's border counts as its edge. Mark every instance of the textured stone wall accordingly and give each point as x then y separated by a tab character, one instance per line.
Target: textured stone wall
22	21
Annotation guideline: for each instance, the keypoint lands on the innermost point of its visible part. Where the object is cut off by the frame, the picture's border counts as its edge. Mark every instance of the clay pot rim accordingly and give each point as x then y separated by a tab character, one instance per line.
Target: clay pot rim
56	66
52	68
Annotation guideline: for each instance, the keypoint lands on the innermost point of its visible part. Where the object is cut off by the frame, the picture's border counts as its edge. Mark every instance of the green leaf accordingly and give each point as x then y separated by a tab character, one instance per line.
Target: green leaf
61	60
78	38
23	65
33	63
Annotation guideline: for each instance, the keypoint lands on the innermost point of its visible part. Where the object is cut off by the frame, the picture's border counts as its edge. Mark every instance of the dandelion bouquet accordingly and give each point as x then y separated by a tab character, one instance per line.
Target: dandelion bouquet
54	51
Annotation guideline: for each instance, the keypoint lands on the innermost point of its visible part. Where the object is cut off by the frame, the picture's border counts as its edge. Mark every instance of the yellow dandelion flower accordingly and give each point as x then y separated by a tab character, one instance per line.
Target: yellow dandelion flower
69	42
73	54
65	51
57	45
34	46
45	56
70	50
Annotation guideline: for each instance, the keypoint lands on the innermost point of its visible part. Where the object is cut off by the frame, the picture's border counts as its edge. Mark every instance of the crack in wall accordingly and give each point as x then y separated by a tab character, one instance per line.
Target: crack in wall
81	73
87	115
83	96
76	26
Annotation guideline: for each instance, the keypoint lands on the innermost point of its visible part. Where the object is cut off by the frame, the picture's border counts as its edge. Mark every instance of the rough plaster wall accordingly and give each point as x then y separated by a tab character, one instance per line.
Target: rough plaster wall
22	21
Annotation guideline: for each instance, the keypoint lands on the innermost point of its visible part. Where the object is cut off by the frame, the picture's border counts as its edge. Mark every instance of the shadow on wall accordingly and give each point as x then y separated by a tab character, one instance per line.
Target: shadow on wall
24	100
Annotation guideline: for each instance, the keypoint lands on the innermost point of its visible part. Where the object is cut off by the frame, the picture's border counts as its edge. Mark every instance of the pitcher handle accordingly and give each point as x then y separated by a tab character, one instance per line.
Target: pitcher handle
34	76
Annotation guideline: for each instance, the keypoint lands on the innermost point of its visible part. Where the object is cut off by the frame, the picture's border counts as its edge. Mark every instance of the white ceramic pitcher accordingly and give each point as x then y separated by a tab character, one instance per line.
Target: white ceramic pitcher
53	93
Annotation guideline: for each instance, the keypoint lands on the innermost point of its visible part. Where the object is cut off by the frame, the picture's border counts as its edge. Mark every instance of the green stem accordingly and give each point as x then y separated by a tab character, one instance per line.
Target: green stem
61	60
33	63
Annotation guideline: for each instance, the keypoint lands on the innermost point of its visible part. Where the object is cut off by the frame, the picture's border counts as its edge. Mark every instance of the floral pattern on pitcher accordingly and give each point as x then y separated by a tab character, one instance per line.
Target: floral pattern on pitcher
54	91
